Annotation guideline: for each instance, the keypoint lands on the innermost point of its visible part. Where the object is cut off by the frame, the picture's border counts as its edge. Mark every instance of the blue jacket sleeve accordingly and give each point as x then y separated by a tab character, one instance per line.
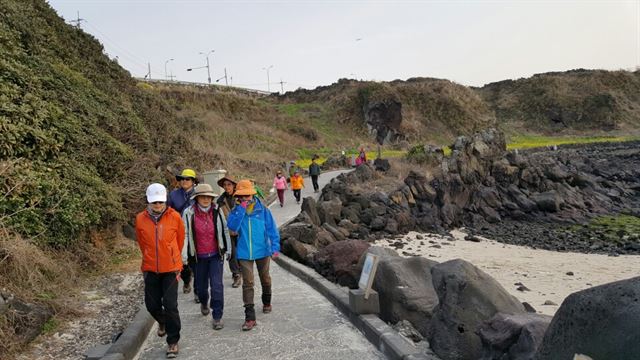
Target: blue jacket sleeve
235	218
170	202
272	231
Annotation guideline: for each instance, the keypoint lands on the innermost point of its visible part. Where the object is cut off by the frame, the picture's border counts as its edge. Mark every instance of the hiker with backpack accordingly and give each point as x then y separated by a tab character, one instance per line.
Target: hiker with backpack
258	242
225	203
314	172
180	199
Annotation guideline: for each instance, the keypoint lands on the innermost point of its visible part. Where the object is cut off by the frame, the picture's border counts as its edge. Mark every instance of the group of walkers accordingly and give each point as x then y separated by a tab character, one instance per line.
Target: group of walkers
295	180
188	235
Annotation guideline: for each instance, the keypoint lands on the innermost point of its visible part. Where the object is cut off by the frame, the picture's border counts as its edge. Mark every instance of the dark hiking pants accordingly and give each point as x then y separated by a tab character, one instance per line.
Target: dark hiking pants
281	196
314	180
234	267
209	275
247	284
161	300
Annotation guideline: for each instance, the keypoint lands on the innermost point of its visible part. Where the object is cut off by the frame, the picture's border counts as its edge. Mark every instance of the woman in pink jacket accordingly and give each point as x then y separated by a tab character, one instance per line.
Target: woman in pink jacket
280	184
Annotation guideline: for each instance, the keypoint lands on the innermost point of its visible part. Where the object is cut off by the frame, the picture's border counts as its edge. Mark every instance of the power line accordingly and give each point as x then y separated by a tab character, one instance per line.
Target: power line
136	60
77	21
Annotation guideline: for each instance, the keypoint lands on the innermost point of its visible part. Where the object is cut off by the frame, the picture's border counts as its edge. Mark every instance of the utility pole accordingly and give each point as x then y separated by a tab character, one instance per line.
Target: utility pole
282	85
225	77
268	81
171	76
208	71
206	66
78	21
149	73
165	68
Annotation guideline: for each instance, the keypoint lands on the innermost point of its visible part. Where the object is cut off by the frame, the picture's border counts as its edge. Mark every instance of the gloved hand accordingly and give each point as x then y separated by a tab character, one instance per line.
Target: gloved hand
244	203
275	255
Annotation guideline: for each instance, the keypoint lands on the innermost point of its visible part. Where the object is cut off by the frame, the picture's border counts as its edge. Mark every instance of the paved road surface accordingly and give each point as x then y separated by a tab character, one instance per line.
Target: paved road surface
303	324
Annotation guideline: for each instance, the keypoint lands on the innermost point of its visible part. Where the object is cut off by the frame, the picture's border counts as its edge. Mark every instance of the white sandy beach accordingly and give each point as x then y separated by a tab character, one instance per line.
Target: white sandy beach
543	272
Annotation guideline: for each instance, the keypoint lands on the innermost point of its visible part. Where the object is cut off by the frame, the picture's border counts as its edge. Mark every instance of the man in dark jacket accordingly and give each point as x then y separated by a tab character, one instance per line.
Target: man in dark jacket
226	202
314	172
180	199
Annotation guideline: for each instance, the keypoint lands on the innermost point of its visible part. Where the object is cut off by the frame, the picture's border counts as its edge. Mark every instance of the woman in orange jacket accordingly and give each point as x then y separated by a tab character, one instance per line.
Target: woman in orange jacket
297	183
160	235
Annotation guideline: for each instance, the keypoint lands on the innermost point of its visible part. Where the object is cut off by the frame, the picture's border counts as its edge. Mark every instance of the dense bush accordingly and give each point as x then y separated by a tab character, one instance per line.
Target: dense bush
71	122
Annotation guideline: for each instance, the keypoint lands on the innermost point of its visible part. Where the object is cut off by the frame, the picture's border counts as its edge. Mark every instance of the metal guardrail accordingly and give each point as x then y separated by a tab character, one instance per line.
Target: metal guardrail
198	84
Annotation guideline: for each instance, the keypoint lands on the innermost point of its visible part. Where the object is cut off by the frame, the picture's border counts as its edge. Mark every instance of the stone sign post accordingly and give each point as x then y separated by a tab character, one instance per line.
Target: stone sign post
364	300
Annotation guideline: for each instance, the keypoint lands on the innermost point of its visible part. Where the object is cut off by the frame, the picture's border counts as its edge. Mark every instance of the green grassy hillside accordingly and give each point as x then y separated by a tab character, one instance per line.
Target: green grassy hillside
81	139
577	100
432	109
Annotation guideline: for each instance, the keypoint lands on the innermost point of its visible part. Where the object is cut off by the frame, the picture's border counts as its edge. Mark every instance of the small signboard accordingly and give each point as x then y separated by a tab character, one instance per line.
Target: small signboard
368	273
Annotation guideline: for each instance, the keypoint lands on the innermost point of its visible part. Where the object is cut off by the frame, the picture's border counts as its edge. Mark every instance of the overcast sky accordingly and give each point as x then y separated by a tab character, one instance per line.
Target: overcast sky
313	43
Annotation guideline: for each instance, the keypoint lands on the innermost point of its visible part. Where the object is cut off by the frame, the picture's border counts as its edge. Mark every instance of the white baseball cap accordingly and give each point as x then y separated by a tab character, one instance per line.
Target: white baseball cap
156	192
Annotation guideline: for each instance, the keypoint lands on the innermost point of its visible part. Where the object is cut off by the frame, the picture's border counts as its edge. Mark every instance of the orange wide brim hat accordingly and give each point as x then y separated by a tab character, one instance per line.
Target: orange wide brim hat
245	187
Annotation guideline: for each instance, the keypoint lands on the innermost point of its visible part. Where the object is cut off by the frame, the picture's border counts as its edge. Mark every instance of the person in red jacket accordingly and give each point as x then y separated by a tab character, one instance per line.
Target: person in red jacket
160	235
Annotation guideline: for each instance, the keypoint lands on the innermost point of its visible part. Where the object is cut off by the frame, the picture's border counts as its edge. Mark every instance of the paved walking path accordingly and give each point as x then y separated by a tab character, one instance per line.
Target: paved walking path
303	324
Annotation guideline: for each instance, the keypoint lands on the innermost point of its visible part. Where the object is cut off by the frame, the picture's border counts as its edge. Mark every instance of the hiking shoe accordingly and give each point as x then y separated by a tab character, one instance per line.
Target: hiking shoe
172	351
248	325
161	330
204	309
267	308
237	281
196	299
186	288
218	324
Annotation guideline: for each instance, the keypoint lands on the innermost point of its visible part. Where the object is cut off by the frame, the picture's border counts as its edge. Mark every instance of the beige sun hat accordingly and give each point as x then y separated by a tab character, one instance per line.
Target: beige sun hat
203	190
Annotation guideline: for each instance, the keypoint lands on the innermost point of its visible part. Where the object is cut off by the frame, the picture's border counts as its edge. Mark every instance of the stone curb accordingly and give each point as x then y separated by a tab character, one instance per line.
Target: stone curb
381	335
128	344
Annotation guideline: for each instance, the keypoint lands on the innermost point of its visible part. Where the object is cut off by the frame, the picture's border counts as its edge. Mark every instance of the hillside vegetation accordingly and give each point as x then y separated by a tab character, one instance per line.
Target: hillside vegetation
577	102
432	109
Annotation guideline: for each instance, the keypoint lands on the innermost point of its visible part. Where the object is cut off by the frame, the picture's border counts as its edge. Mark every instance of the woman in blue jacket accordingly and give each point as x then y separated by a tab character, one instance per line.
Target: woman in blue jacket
258	241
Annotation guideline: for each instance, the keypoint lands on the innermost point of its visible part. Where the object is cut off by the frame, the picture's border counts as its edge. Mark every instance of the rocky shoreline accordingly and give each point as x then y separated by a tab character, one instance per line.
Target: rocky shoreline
541	199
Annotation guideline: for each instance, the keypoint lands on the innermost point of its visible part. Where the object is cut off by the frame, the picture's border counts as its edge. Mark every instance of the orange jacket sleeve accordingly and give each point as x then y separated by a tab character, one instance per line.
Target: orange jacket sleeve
180	232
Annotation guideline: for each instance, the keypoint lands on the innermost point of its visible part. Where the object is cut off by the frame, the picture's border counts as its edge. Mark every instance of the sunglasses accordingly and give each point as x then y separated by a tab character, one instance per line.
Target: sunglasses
158	202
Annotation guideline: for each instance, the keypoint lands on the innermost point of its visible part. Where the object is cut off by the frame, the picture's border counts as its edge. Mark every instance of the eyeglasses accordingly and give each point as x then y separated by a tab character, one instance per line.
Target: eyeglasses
158	202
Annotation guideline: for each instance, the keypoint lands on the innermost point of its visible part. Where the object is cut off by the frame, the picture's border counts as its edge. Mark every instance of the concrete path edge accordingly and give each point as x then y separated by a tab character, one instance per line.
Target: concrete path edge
132	338
382	336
